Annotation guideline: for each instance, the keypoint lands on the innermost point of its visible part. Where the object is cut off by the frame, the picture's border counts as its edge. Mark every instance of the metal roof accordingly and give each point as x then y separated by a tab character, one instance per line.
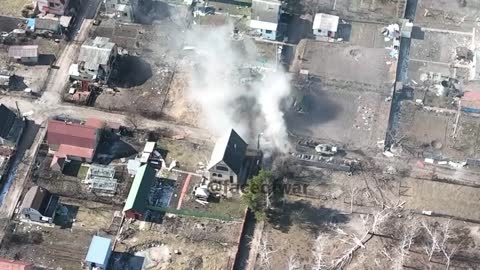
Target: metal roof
104	171
59	132
138	195
230	149
95	52
99	250
326	22
14	265
34	198
23	51
149	147
266	11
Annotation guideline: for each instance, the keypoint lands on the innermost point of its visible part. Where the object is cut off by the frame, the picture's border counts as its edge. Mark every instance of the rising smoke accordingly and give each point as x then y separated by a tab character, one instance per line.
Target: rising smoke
236	90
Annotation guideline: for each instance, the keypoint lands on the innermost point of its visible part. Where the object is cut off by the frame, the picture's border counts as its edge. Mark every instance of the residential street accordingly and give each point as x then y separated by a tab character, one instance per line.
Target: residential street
50	104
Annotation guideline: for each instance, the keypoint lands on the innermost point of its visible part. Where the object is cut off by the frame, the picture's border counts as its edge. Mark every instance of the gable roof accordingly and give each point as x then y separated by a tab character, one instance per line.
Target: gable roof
138	195
326	22
65	150
230	149
23	51
95	52
7	119
59	132
99	250
35	197
266	11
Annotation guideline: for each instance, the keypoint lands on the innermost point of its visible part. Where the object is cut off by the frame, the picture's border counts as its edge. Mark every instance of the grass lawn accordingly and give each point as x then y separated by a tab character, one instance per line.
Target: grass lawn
13	7
82	172
230	207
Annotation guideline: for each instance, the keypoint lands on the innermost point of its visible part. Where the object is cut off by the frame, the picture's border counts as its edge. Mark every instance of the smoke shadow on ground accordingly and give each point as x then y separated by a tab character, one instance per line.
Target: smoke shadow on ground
112	147
316	108
148	11
130	71
305	215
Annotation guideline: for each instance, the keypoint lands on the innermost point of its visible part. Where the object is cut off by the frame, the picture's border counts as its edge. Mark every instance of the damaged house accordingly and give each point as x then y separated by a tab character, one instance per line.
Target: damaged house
95	60
120	10
39	205
265	18
57	7
227	161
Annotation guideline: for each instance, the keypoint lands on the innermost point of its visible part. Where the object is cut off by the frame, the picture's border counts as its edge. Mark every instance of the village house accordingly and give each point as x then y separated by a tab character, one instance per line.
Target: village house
137	200
120	10
72	141
325	25
265	18
57	7
44	24
5	77
227	160
99	253
27	54
95	60
39	205
11	127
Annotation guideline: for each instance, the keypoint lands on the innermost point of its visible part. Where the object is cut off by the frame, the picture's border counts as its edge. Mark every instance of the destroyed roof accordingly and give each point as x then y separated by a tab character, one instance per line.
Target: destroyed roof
35	198
266	11
23	51
230	149
59	132
138	195
95	52
15	265
326	22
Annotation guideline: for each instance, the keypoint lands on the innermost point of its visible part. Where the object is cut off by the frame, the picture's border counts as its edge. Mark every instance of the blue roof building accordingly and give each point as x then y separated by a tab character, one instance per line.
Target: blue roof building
99	253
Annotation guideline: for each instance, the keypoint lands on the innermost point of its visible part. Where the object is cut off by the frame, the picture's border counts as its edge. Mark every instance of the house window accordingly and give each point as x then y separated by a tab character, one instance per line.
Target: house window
219	175
231	179
268	31
214	174
51	4
222	168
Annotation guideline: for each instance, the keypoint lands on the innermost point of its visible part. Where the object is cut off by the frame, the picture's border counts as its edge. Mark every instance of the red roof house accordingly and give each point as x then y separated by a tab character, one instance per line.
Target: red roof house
72	140
6	264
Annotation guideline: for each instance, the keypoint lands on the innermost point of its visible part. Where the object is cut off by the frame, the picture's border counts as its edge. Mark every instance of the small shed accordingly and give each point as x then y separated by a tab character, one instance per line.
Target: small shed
27	54
325	25
99	253
132	166
137	200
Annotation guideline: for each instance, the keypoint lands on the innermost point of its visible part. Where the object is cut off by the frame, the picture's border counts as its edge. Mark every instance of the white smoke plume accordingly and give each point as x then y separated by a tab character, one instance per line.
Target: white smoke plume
221	83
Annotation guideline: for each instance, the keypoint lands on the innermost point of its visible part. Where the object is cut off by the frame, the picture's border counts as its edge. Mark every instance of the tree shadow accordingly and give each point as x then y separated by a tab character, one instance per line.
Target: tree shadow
46	59
304	214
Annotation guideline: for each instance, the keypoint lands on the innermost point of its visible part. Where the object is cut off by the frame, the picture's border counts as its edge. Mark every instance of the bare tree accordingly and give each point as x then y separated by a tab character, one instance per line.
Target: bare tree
264	254
409	232
293	263
318	253
432	246
353	193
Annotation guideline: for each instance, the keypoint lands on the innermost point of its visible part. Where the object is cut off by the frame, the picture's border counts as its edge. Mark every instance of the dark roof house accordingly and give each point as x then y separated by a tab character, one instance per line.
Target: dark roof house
39	205
137	200
230	149
11	126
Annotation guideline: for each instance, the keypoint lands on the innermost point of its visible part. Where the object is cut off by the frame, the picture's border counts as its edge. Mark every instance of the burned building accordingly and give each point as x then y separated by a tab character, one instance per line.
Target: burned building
39	205
121	10
227	161
95	60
